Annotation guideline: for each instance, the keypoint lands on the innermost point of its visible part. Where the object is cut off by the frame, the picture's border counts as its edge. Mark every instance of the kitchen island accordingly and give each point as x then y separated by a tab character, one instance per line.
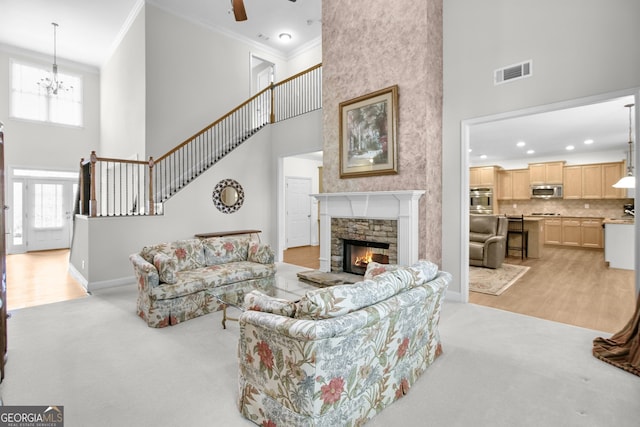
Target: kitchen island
535	230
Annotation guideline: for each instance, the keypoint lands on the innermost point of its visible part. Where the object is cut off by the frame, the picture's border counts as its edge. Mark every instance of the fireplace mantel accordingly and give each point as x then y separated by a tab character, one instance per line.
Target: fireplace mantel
401	206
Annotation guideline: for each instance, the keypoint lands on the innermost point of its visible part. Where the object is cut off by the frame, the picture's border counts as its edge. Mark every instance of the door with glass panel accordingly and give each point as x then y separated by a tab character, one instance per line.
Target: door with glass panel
49	214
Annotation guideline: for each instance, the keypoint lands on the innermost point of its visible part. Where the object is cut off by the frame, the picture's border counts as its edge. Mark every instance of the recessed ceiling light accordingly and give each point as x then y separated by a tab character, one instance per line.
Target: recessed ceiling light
285	37
588	141
569	147
484	156
521	144
530	151
470	150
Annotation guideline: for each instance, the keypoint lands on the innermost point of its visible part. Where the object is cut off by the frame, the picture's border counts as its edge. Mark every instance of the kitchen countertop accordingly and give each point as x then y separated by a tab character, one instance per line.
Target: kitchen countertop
622	220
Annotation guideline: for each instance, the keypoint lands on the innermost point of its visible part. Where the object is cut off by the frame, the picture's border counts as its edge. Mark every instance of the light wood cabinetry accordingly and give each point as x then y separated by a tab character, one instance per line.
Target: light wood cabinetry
514	184
553	231
578	232
572	182
611	173
593	181
484	176
591	232
546	173
571	233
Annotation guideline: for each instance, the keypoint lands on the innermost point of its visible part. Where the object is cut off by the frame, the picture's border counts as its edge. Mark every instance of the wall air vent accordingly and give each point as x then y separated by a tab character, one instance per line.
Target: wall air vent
512	72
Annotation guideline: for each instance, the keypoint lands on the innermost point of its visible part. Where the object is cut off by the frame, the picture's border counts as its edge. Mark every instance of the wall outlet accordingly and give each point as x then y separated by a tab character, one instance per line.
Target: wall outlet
586	205
83	264
515	206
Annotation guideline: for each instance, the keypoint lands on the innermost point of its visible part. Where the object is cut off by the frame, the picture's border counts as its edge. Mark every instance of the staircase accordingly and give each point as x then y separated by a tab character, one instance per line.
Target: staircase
118	187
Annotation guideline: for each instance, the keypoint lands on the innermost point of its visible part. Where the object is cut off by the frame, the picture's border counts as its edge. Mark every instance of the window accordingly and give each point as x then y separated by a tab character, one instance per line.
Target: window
30	101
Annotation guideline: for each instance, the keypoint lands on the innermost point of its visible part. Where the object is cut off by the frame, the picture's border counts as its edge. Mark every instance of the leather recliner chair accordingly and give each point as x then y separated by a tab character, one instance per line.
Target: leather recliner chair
487	240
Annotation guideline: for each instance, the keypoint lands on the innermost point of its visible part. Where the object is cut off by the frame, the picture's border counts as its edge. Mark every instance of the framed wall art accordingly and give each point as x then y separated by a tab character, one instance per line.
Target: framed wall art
368	134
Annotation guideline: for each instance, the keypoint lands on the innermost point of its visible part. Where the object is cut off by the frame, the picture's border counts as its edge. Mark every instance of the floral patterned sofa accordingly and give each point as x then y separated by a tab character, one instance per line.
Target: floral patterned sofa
178	281
340	354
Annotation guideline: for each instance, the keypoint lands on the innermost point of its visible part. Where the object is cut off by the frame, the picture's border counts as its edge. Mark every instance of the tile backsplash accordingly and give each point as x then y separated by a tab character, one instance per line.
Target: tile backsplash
578	208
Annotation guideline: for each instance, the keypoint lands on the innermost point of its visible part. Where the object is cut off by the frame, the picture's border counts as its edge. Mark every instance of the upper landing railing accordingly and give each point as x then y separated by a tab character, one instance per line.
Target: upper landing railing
118	187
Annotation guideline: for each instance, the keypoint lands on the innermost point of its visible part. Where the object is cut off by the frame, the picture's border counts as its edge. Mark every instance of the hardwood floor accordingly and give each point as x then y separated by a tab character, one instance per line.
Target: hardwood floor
37	278
566	285
304	256
569	285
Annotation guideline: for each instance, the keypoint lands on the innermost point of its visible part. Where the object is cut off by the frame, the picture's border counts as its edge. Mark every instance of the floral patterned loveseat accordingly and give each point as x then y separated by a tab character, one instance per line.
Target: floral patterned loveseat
178	281
340	354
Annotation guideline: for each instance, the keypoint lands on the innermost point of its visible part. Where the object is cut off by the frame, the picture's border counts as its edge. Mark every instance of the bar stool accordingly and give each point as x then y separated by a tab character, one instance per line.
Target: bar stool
516	228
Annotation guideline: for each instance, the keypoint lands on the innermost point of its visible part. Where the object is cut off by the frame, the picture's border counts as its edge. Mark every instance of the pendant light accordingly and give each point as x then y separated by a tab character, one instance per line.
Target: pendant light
628	181
52	85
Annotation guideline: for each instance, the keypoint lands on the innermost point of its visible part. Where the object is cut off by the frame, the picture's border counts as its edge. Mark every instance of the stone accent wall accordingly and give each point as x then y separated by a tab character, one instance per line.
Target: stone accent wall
368	45
368	230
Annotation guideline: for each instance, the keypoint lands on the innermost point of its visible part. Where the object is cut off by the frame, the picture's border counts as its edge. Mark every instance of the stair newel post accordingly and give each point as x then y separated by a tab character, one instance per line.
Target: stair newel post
272	116
81	188
93	207
151	199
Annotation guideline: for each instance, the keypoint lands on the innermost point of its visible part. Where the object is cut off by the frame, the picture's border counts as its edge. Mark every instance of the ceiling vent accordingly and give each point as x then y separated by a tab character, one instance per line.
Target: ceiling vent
512	72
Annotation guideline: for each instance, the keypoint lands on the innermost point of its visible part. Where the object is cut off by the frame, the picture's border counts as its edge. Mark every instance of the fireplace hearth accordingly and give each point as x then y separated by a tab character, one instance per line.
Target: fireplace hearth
357	254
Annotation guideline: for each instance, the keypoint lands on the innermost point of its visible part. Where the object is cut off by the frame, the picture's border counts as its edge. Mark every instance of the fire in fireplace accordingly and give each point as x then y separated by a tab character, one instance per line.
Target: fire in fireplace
357	254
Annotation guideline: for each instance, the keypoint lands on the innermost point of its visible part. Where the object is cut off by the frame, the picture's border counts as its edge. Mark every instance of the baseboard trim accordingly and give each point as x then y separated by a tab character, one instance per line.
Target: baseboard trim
94	286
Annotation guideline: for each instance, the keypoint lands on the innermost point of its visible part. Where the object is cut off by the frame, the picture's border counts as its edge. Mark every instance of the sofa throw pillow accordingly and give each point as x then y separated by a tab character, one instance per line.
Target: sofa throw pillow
189	254
260	253
167	267
221	250
257	301
375	268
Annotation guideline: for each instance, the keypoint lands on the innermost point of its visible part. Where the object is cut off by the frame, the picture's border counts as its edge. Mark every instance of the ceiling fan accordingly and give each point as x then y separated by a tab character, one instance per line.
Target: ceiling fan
238	9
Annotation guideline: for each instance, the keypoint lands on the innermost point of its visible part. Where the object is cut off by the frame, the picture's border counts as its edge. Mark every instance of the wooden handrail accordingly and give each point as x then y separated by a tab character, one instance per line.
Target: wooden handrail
121	181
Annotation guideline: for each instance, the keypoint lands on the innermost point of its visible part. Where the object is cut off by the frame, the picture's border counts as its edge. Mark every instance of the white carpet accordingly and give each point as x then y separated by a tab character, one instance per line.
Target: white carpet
98	359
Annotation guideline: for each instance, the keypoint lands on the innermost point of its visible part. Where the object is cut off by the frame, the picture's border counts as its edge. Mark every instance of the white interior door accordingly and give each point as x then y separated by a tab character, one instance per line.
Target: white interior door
49	214
298	204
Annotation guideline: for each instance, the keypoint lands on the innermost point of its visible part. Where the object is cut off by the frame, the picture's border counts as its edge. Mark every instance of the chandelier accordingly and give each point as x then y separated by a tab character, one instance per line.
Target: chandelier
51	84
628	181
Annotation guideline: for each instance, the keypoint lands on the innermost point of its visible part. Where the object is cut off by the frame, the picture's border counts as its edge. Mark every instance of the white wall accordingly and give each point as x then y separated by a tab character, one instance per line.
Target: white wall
47	146
123	89
194	76
579	48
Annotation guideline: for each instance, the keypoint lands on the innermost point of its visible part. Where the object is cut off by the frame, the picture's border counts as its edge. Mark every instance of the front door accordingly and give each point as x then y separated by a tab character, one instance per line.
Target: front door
49	214
298	201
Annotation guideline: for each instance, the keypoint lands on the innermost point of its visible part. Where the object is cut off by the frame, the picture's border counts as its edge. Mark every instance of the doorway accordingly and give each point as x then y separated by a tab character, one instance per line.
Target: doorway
40	210
298	211
554	257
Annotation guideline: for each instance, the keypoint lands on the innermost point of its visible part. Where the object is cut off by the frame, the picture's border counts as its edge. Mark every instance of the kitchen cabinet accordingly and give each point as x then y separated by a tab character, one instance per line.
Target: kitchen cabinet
546	173
514	184
553	231
574	231
572	182
571	232
611	173
484	176
593	181
591	232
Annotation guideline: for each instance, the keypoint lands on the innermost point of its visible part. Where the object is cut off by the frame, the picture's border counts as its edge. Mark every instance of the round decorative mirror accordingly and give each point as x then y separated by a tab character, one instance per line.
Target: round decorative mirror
228	196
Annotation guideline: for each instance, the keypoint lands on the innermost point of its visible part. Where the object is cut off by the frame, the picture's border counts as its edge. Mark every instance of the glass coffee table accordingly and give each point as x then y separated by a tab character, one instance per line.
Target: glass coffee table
284	288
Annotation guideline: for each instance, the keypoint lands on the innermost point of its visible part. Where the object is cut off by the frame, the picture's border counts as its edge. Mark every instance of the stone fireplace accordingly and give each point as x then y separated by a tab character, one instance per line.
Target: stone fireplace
383	217
353	239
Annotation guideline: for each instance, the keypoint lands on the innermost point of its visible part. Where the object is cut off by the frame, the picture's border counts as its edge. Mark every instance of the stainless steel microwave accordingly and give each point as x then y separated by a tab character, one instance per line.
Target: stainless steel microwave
546	191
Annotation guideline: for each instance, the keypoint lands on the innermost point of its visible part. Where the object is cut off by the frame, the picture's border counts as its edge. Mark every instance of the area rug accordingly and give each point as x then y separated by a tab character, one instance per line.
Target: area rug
322	279
494	281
